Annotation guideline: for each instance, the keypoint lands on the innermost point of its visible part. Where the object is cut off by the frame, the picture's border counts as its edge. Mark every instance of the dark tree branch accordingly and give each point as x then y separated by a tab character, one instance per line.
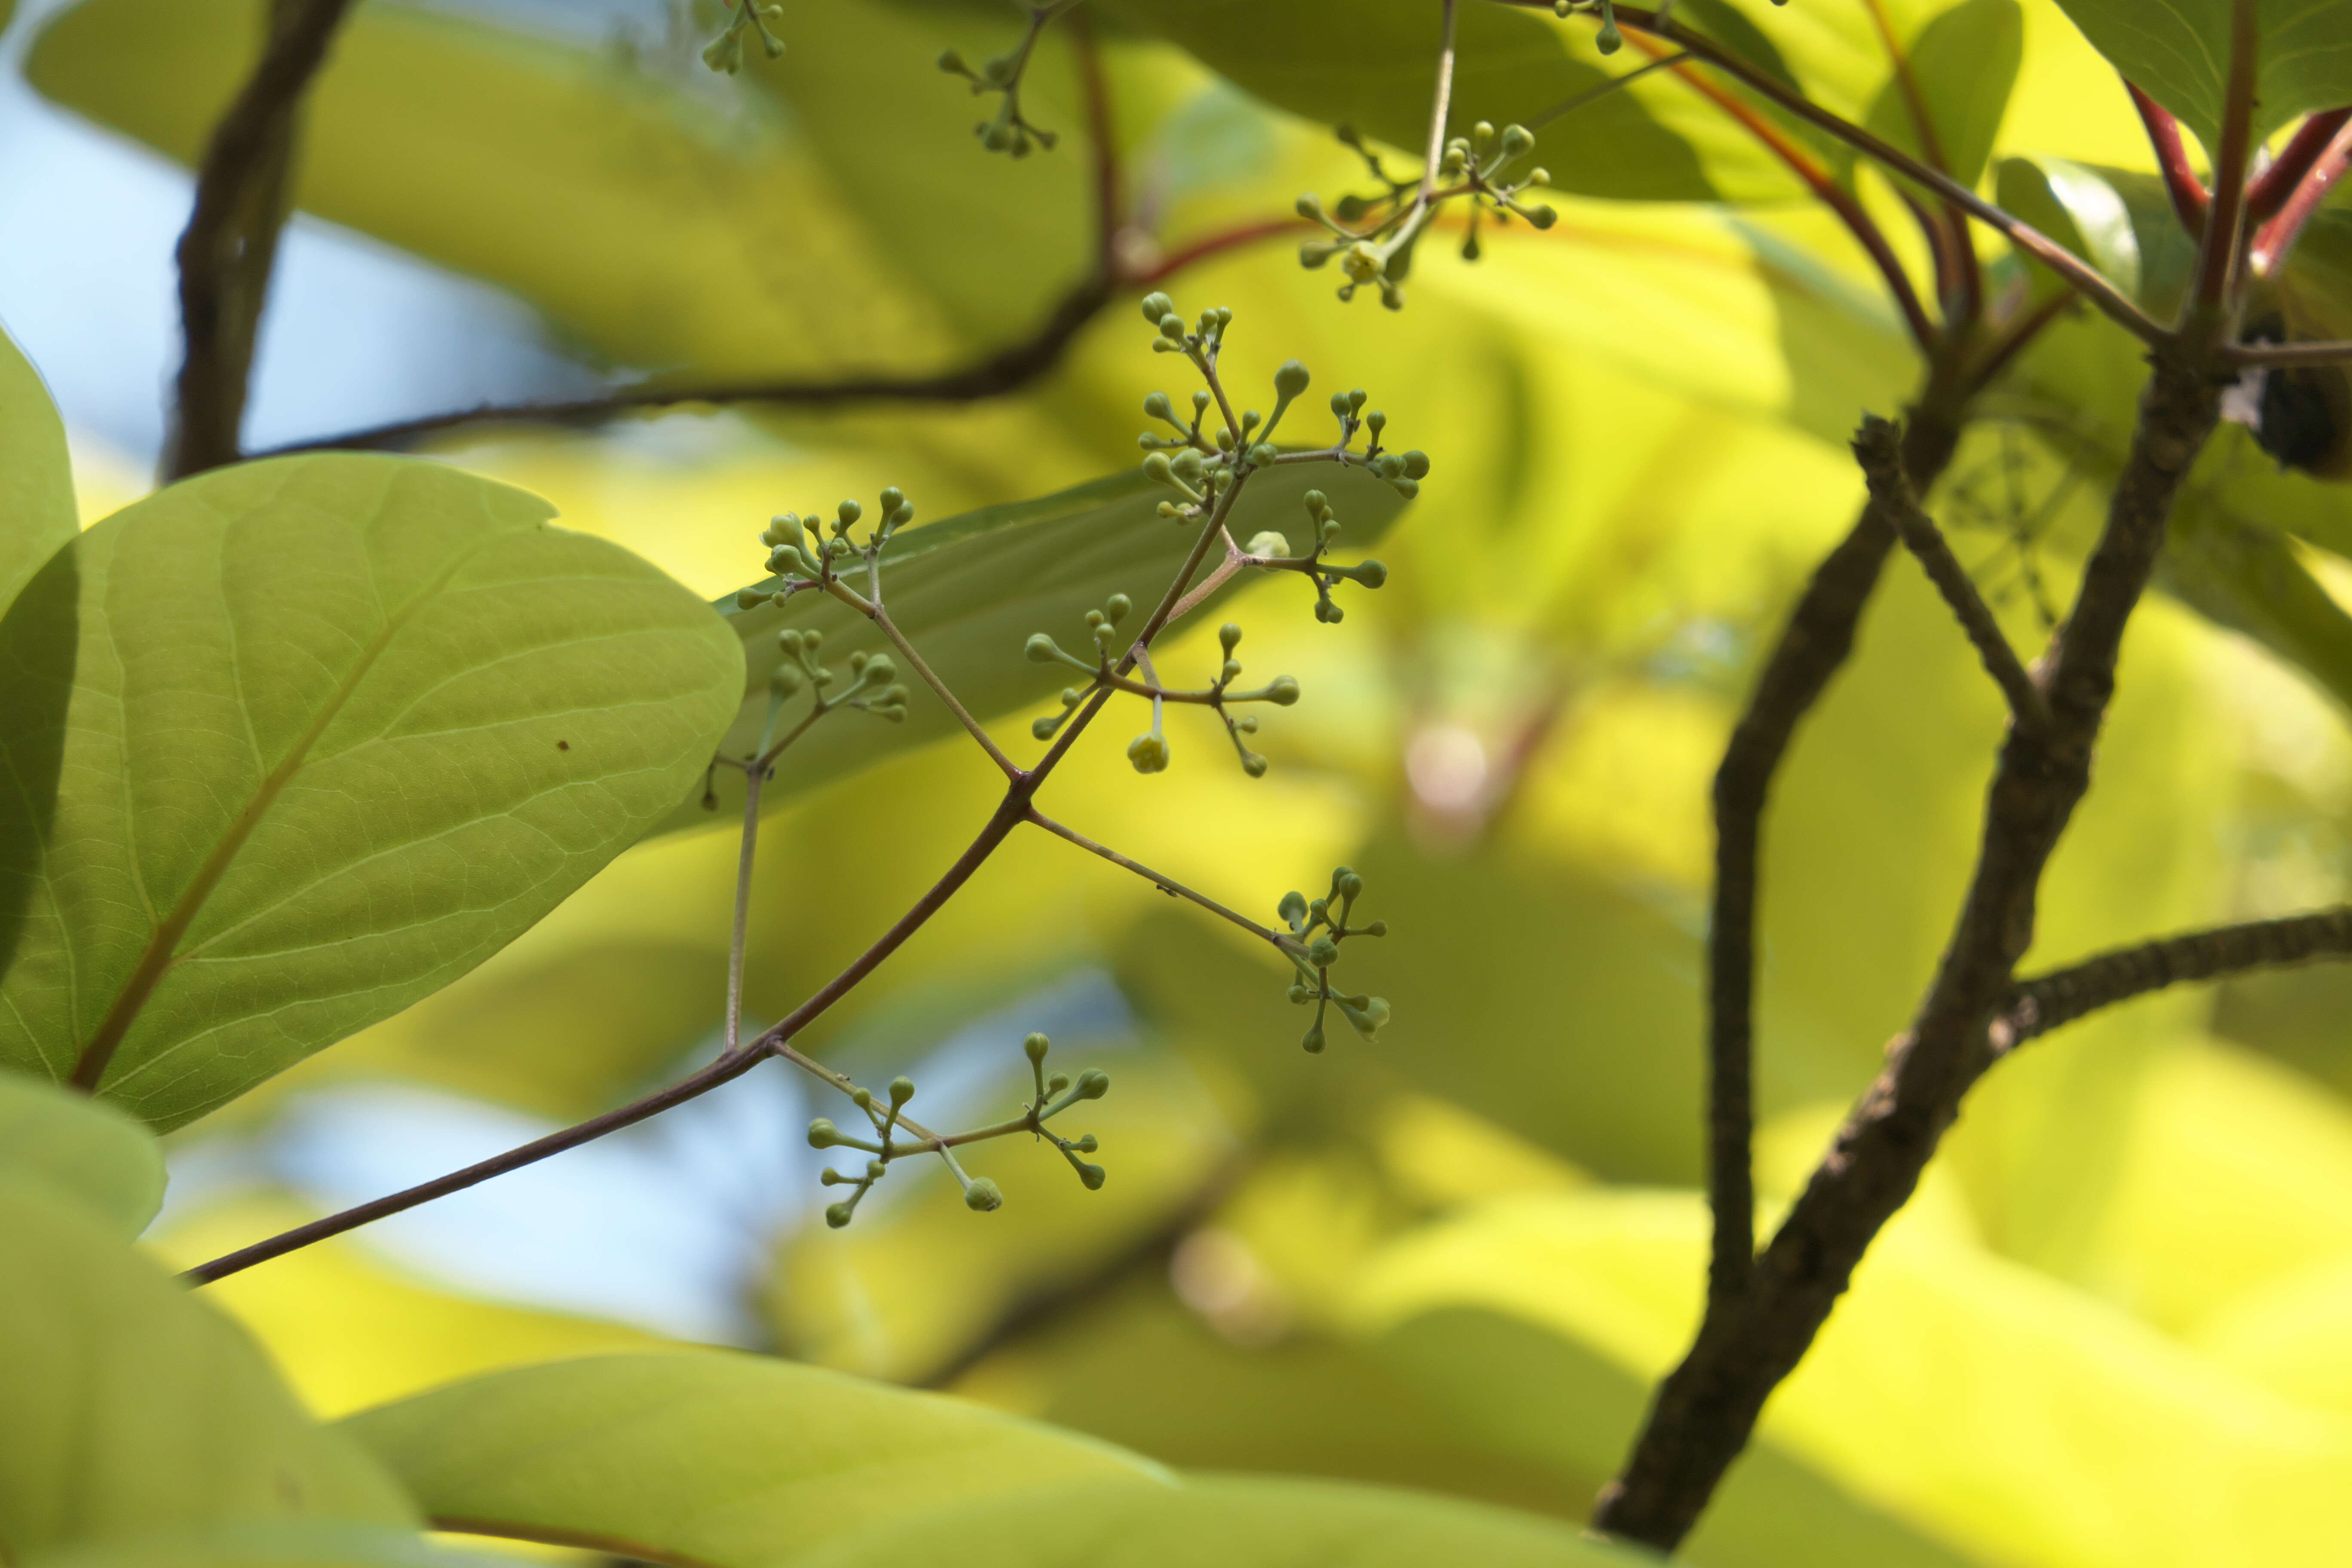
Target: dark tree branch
1811	649
1878	448
2048	1001
230	245
1706	1409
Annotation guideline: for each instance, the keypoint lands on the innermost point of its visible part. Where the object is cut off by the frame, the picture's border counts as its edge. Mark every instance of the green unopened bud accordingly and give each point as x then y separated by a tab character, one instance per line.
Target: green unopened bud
1299	994
1091	1176
822	1135
1312	1041
1263	455
1340	409
1365	1014
1372	574
891	499
1378	928
1609	40
1517	142
1155	405
1293	908
1253	764
902	1089
1093	1084
1116	606
952	63
1057	1083
1148	754
1087	1145
1347	883
1270	545
1404	487
1229	636
1541	217
748	598
1040	648
1156	306
1171	326
836	1215
1283	691
849	512
1035	1046
1159	470
982	1196
1416	464
1290	380
785	678
1323	952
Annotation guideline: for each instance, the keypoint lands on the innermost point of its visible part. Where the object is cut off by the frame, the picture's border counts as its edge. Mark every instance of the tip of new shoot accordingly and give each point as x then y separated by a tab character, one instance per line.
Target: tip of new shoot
982	1196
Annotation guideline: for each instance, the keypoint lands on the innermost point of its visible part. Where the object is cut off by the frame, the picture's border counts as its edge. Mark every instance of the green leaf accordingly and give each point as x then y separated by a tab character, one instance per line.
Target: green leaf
82	1149
2179	50
2080	208
1235	1521
728	1460
969	591
646	219
307	740
134	1408
1964	64
36	498
280	1543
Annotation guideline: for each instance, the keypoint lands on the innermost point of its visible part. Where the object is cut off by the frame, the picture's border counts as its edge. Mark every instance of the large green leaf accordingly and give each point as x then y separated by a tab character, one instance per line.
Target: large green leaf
1963	64
968	592
300	742
2180	51
628	203
37	500
728	1460
1226	1521
277	1543
134	1408
77	1146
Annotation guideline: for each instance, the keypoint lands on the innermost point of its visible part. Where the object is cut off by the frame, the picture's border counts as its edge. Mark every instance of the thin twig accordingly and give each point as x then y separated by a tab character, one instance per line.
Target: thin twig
2192	204
2318	138
2297	202
2048	1001
1440	105
753	777
2079	273
873	611
1878	448
2219	253
1289	946
230	245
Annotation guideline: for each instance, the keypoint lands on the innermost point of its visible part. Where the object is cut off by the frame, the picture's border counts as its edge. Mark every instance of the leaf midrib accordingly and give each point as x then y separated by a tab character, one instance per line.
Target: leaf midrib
156	959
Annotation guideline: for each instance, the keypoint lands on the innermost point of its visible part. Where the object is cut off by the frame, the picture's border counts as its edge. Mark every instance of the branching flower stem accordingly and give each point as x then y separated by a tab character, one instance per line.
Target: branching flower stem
1289	946
873	611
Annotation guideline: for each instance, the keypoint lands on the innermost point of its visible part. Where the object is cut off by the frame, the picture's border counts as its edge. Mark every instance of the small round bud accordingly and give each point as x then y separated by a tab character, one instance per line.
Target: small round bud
1347	883
1040	648
822	1135
1035	1046
1044	728
902	1089
836	1215
1155	405
1312	1041
1404	487
1093	1084
785	678
1116	606
1229	636
1158	468
982	1196
1171	326
1322	953
1090	1175
1416	464
1378	928
1372	574
1517	142
1087	1145
1263	455
1283	691
1541	217
1290	380
1609	40
1340	409
849	512
1299	994
1253	764
952	63
748	598
1271	545
1148	754
1157	305
1057	1083
891	499
862	1097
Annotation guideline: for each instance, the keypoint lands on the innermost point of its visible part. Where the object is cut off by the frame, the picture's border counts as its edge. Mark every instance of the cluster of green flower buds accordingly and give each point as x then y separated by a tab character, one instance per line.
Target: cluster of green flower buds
1272	549
1056	1094
1006	131
798	562
724	52
1102	626
1316	929
1149	753
1373	236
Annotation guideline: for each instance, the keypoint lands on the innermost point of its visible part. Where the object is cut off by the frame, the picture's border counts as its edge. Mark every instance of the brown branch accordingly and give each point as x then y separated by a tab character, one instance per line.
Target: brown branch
1877	447
2048	1001
1811	649
227	250
1706	1409
994	374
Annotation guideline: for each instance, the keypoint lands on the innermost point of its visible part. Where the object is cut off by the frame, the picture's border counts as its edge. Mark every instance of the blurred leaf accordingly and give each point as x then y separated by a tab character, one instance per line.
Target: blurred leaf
620	193
1236	1521
80	1148
969	590
2016	1420
335	727
727	1460
36	498
2180	51
1964	64
2077	207
134	1408
278	1544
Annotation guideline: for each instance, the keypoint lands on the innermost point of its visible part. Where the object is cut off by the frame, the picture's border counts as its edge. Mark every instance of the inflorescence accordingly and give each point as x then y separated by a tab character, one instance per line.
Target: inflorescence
1321	926
1056	1094
1373	236
724	52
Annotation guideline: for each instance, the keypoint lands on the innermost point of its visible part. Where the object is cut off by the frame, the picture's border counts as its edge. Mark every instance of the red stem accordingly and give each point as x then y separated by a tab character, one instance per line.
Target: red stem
2311	141
2190	201
2322	170
2217	259
1201	250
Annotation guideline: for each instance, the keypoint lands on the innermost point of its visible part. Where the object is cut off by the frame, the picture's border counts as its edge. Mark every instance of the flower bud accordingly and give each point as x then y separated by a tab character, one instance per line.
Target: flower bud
1253	764
1093	1084
1090	1175
1283	691
982	1196
1171	326
1322	953
1040	648
785	678
822	1135
1087	1145
1157	405
1347	883
1155	306
1159	470
1116	606
1148	754
1035	1046
1290	380
836	1215
891	499
748	598
1517	142
1057	1083
1312	1041
849	512
902	1089
1229	635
